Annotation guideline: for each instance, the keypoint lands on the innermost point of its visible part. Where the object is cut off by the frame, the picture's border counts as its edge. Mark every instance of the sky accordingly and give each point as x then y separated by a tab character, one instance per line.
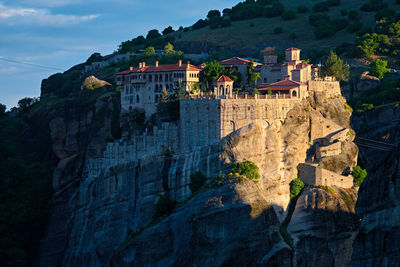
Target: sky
41	37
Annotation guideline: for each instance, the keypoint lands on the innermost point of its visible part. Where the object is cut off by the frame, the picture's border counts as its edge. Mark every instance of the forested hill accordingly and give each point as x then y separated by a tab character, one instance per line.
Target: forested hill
248	27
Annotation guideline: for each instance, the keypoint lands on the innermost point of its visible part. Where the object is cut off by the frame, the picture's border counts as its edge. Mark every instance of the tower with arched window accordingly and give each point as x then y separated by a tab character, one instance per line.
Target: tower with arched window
223	86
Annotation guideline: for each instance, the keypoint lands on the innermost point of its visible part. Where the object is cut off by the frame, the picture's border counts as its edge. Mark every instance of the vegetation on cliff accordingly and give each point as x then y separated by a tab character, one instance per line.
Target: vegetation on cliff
25	186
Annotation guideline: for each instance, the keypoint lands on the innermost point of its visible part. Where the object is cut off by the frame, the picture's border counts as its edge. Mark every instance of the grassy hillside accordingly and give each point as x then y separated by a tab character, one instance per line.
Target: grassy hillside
254	34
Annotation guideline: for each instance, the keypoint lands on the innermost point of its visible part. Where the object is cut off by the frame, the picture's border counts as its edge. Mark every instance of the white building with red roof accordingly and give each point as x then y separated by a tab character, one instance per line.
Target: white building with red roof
286	88
292	69
240	65
141	87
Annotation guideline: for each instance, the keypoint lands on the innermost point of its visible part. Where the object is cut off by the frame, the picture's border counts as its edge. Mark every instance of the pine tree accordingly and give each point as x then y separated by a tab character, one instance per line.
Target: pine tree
334	67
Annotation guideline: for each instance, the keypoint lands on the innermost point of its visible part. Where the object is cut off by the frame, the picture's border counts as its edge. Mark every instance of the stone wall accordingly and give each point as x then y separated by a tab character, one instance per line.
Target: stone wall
164	140
314	175
328	88
205	121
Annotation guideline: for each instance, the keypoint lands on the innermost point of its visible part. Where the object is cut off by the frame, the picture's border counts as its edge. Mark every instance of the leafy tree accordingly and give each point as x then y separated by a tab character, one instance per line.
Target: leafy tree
169	49
149	51
2	110
168	30
275	10
226	11
320	7
302	9
296	186
163	207
164	95
95	57
211	72
288	15
270	92
278	30
226	23
25	103
213	14
247	169
359	175
378	68
201	23
251	74
335	67
153	34
197	180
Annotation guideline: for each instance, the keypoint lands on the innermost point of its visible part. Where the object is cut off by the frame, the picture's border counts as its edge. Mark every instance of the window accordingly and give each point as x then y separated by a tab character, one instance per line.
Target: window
150	78
137	99
294	94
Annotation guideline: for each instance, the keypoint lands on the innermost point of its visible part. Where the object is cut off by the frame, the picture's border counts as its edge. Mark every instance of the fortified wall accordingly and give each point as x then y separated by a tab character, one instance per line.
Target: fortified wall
205	121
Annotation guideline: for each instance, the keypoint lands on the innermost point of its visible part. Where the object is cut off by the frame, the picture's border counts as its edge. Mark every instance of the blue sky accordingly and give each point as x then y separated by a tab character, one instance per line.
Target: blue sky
58	34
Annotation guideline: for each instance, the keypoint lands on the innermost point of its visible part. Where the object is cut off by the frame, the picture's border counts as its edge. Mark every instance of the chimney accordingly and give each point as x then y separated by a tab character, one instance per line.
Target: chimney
157	64
187	66
130	68
180	62
140	65
144	64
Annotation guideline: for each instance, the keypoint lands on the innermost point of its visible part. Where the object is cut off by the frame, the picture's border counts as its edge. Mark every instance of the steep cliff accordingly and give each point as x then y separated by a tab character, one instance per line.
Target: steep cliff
377	243
110	218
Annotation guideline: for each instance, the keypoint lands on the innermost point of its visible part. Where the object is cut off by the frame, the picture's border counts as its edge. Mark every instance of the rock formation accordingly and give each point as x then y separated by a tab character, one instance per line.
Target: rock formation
109	218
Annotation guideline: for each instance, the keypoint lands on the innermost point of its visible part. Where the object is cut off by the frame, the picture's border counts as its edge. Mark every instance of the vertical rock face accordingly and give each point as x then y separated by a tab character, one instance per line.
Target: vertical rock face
323	226
378	241
98	220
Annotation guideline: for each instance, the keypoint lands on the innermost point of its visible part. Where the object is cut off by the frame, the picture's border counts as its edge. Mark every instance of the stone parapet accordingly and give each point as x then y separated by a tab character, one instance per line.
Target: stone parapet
314	175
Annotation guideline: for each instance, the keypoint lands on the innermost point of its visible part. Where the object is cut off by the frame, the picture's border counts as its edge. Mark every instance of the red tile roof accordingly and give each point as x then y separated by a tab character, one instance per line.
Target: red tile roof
281	85
224	78
171	67
237	61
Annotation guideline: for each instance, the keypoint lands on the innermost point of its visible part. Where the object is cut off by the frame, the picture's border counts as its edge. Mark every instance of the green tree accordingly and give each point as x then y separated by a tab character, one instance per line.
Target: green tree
359	175
335	67
168	30
247	169
164	95
296	186
378	68
197	180
149	51
2	110
169	49
252	75
211	72
153	34
95	57
270	91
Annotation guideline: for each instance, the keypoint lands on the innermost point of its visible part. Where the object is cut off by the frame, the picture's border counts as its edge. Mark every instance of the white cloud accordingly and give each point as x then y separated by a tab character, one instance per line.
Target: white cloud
43	17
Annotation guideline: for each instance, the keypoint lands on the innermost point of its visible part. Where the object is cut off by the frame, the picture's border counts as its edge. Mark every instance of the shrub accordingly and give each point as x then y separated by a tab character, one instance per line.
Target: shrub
348	108
321	7
355	26
163	207
353	15
364	108
373	6
168	30
319	19
278	30
200	24
378	68
340	24
359	175
293	36
296	186
275	10
226	23
325	30
247	169
288	15
302	9
197	180
334	2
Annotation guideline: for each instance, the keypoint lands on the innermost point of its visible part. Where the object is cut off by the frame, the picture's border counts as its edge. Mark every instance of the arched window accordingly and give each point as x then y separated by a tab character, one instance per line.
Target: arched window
150	78
265	80
233	127
156	86
156	98
167	86
137	99
221	89
294	93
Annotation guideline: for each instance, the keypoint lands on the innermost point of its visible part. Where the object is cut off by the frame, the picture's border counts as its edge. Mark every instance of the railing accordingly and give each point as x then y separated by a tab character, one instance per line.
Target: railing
238	96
